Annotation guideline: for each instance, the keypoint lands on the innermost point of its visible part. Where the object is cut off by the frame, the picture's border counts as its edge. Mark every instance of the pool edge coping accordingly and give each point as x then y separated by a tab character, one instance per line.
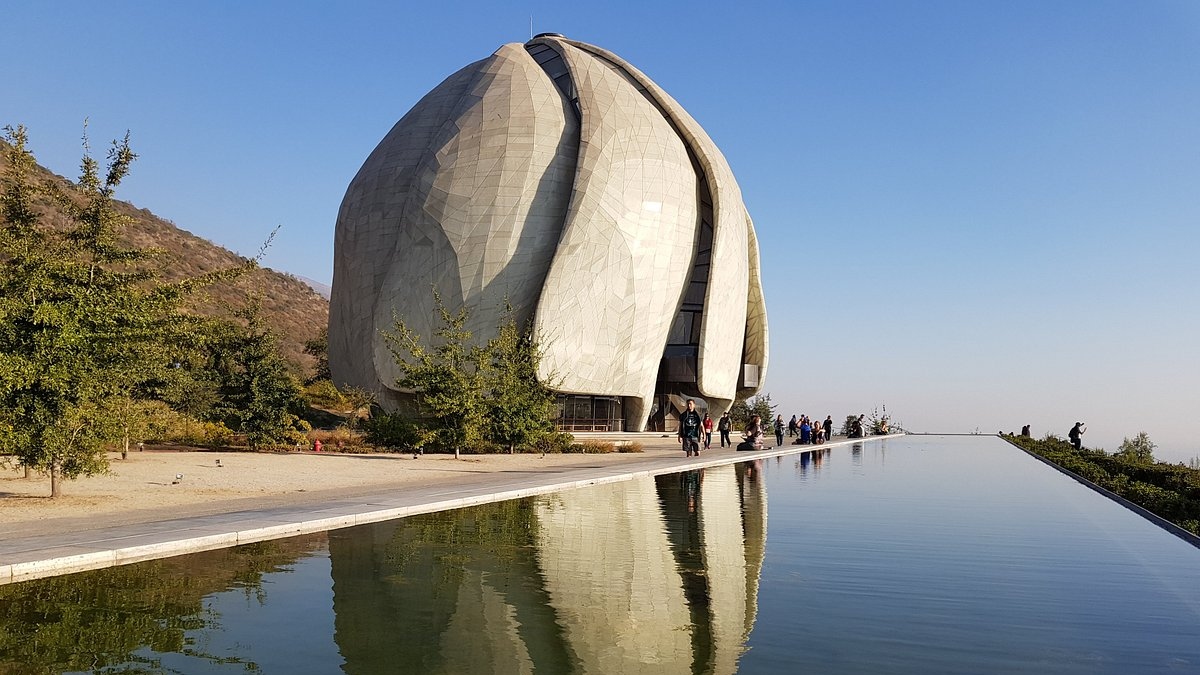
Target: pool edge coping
86	556
1142	511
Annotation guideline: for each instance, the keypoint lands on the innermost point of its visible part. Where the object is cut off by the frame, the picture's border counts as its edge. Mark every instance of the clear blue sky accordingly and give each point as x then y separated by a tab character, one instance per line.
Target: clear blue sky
981	214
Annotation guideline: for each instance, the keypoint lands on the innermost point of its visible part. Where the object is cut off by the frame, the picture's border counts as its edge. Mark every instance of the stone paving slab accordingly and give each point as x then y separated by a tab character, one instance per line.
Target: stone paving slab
25	558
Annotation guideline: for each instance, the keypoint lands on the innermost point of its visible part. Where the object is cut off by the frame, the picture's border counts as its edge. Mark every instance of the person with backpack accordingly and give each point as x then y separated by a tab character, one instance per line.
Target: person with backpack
725	425
690	424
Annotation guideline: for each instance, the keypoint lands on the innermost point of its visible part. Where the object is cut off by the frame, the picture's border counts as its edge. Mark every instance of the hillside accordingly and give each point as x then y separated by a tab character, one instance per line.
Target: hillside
291	307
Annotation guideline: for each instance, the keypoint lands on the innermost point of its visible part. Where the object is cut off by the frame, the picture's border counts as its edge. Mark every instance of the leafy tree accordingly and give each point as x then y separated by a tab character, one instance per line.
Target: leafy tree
448	380
83	318
879	423
130	419
744	410
318	348
359	401
520	408
1138	450
258	395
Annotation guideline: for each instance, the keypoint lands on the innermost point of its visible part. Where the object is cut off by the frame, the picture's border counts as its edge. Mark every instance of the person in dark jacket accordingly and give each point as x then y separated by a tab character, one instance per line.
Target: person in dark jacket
1075	434
690	424
725	425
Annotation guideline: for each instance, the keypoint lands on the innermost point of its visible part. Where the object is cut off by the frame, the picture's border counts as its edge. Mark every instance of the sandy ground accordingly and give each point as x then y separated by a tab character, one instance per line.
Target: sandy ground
144	488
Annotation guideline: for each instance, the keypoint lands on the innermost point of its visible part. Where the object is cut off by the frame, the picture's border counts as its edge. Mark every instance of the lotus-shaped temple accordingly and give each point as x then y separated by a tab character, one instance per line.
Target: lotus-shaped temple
557	177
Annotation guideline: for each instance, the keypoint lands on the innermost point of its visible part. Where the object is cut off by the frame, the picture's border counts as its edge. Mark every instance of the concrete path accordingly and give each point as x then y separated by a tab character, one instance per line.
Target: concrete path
31	557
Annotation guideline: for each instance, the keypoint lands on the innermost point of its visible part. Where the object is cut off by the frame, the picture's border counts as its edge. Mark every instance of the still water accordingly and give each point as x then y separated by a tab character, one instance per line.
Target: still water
915	555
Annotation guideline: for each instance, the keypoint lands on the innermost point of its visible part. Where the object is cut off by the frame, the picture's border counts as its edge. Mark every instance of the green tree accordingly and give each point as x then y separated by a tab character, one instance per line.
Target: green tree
83	318
359	402
520	408
318	348
258	395
447	380
744	410
131	419
1138	450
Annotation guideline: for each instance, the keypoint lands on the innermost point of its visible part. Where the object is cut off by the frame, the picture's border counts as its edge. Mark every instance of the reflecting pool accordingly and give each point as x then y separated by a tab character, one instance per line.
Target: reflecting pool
914	555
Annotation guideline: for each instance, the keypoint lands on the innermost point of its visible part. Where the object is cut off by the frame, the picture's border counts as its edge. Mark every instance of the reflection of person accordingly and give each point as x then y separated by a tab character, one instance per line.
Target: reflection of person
689	429
708	425
691	487
724	426
1075	433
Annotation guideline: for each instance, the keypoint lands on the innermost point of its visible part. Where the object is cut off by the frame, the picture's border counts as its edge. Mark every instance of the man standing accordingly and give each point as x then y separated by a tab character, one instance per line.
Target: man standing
689	429
724	425
828	426
1075	433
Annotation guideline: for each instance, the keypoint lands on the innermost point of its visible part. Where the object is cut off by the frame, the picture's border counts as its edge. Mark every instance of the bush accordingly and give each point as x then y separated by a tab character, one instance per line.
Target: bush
323	394
341	439
593	447
174	428
631	446
393	430
558	441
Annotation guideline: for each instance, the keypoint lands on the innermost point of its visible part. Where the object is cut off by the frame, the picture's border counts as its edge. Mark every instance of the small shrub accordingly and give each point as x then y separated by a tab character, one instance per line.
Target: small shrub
631	446
323	394
341	439
556	442
594	447
393	430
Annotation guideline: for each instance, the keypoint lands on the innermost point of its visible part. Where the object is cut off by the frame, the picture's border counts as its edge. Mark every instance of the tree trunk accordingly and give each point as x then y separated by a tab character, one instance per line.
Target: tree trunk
511	449
28	472
456	452
55	481
125	450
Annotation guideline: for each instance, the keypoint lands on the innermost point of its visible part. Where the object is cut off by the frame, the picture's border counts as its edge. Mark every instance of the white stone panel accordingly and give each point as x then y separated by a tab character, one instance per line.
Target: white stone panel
757	346
627	247
723	320
369	231
479	215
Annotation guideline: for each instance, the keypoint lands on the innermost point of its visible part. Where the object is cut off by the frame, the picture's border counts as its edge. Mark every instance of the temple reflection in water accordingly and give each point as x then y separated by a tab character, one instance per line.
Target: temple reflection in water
652	575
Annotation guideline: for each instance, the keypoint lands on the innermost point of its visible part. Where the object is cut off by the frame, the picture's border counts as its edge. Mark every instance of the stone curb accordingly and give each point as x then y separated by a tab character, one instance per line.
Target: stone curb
1136	508
204	533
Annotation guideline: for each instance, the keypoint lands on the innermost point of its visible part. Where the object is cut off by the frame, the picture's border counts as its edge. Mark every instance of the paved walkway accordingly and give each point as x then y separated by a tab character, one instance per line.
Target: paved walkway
32	557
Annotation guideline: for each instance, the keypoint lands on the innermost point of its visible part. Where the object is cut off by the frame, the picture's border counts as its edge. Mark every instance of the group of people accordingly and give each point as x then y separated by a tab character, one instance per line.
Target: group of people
805	430
696	430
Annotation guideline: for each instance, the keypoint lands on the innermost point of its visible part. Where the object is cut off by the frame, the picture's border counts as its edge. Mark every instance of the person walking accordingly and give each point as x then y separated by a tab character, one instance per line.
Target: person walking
690	424
724	426
1075	434
708	427
779	431
828	426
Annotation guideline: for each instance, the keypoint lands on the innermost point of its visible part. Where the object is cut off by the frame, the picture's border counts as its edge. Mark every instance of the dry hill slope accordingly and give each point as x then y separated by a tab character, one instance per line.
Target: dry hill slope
291	307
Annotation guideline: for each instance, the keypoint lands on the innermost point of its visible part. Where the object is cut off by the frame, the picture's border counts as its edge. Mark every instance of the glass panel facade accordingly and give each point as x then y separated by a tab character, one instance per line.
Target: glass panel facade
590	413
